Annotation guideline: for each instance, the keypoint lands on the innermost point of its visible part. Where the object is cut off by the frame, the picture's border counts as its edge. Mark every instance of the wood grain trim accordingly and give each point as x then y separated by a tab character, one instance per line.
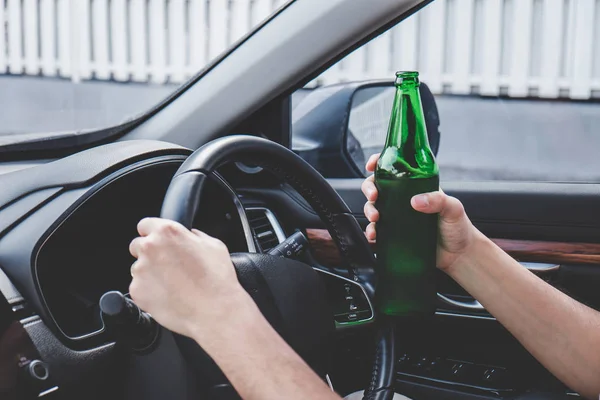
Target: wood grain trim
326	253
551	252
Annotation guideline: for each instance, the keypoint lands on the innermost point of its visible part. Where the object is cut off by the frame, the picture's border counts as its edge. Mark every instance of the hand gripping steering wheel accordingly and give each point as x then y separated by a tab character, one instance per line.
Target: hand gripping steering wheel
272	281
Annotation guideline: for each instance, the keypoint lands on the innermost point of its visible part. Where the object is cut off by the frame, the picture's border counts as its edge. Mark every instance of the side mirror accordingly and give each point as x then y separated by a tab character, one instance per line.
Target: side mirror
336	128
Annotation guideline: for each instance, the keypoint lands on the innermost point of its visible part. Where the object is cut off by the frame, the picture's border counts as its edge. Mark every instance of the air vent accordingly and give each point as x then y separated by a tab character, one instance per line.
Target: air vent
265	228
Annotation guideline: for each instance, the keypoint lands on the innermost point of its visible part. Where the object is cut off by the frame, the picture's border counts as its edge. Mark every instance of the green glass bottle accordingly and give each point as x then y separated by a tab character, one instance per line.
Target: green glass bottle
406	239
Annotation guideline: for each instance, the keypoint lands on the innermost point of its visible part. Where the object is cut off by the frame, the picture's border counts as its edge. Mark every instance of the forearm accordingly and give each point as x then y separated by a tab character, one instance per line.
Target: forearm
563	334
257	361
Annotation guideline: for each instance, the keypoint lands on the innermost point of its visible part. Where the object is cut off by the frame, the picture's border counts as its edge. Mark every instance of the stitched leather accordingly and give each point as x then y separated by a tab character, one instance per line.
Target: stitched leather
381	386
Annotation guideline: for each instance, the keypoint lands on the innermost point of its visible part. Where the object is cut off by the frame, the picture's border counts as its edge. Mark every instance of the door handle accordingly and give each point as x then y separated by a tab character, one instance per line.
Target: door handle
540	268
474	305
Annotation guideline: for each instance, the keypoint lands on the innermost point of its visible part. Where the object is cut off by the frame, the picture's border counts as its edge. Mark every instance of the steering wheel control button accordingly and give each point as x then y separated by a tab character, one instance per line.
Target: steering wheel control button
127	324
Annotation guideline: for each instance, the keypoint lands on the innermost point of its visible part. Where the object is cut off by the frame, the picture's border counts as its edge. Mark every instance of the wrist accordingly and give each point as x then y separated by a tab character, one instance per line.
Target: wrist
477	243
224	315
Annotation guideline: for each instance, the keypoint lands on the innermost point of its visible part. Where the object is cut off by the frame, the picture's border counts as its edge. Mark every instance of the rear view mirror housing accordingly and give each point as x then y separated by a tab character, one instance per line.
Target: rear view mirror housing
336	128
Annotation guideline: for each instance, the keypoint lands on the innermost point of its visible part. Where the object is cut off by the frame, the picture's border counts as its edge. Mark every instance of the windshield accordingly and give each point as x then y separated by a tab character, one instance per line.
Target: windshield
89	64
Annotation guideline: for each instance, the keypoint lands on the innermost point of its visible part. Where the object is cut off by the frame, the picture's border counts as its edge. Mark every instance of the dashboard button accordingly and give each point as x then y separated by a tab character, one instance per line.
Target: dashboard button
38	370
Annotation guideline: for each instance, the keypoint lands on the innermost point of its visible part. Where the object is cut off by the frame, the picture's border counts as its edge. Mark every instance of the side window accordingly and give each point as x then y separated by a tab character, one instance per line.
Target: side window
516	84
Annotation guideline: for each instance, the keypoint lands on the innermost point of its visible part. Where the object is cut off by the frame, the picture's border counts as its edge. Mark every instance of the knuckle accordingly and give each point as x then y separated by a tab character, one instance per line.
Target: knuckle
147	245
221	246
170	228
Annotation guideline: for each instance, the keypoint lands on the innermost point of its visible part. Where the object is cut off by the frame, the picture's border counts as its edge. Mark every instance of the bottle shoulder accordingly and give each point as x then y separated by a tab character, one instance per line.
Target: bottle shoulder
406	163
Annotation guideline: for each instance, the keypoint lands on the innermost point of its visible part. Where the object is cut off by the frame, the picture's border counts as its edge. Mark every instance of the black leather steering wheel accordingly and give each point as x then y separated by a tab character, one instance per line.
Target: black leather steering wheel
183	198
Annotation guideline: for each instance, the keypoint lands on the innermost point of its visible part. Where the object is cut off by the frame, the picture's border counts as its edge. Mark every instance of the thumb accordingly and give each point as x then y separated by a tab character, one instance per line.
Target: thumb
449	208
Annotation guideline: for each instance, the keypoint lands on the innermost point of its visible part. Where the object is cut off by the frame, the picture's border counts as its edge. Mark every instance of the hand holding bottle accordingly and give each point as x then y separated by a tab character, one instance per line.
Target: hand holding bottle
457	233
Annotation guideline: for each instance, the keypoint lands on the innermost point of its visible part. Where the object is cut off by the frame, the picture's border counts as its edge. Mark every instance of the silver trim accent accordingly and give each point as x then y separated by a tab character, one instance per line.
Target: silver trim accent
328	379
272	220
467	305
342	325
469	316
241	212
540	267
45	392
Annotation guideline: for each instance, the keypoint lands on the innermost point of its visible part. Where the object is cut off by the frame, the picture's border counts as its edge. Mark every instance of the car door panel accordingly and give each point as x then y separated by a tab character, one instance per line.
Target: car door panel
553	229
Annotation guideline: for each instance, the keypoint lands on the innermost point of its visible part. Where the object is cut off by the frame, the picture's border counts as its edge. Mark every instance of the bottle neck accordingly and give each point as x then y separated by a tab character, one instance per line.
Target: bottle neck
407	124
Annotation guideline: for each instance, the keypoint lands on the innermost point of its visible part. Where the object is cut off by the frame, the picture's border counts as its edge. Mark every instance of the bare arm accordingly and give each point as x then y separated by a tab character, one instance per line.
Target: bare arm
187	282
257	361
561	333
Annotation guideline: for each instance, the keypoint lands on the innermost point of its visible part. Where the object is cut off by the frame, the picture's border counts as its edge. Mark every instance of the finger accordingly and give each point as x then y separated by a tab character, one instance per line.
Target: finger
370	232
148	225
449	208
372	162
369	189
135	267
134	247
371	212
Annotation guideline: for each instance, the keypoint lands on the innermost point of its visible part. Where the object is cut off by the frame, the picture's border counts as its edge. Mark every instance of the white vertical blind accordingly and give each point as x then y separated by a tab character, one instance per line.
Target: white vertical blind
118	46
30	31
15	39
177	40
463	45
137	40
240	18
64	37
3	63
520	48
100	34
405	44
492	39
545	48
217	17
582	51
434	49
48	37
198	32
158	40
552	34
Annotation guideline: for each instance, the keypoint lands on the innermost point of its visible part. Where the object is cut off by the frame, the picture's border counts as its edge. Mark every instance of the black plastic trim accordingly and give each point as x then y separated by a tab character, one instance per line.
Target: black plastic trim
92	339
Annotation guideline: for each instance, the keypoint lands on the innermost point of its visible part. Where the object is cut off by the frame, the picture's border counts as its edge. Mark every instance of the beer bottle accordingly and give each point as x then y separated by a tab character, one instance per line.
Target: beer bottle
406	239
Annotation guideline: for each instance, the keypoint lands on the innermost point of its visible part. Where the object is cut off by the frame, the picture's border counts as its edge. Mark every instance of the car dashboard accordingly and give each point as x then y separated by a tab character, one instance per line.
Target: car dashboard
65	229
87	254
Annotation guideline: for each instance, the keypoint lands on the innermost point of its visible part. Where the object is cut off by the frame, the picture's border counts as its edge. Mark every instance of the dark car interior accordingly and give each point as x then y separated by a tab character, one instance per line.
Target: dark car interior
68	213
65	238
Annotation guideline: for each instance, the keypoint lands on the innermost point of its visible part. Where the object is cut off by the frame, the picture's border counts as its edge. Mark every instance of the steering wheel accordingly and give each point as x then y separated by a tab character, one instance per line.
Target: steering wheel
289	293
